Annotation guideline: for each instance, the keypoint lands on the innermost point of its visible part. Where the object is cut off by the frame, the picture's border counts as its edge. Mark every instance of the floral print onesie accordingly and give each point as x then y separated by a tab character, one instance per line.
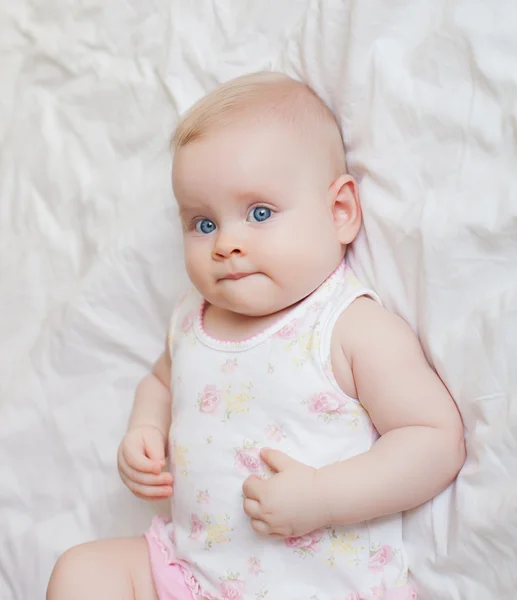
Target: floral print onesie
275	389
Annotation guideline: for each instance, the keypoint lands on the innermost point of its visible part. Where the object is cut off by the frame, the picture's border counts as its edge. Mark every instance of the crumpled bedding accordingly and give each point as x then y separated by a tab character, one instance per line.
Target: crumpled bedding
90	250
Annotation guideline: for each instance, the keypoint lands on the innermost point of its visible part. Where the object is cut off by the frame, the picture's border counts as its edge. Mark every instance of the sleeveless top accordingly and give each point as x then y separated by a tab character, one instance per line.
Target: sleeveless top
275	389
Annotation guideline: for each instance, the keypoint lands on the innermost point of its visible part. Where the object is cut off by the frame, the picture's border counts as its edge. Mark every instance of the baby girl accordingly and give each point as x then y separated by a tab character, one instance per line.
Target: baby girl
300	417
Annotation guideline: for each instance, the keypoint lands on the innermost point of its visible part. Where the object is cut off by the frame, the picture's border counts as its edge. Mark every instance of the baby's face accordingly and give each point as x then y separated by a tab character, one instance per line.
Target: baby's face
257	219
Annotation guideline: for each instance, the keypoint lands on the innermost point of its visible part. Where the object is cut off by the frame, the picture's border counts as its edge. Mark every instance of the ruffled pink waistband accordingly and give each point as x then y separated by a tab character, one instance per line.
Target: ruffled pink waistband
161	533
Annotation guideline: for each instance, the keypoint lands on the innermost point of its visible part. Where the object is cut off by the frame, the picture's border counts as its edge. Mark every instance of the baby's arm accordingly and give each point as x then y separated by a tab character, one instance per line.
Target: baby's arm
141	454
421	448
152	404
377	358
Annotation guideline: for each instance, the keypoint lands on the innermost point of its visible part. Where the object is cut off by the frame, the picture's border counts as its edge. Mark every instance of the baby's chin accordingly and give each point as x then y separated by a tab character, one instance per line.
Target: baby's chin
258	312
253	308
251	302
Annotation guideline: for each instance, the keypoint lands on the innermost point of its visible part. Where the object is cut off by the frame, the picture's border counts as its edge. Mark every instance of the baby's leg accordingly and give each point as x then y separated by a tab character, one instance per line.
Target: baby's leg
116	569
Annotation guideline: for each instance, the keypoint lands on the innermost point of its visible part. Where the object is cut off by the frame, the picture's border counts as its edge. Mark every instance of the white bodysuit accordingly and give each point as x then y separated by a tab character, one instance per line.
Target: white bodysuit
275	389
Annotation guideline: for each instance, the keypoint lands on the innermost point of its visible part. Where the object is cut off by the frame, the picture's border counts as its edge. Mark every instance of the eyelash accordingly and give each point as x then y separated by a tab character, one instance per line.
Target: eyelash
196	220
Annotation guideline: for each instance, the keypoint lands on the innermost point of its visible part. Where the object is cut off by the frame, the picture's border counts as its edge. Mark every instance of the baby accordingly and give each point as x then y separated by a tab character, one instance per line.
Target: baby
300	416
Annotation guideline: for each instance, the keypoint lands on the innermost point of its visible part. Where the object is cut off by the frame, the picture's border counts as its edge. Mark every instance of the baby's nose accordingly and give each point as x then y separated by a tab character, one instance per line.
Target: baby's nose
226	246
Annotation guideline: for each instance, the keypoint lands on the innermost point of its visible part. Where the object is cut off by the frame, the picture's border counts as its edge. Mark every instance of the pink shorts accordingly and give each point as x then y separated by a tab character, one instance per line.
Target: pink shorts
172	580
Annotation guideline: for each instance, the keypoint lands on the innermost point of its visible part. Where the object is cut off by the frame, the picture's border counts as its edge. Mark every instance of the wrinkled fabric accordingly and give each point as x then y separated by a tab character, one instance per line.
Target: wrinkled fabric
90	248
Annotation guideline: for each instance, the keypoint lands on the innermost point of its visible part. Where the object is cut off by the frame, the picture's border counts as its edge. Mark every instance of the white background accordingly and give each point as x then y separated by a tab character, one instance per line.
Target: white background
90	253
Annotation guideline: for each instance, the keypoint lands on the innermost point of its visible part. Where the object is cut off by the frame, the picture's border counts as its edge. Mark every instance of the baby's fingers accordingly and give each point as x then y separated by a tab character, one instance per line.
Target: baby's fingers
148	492
147	478
252	509
260	527
136	459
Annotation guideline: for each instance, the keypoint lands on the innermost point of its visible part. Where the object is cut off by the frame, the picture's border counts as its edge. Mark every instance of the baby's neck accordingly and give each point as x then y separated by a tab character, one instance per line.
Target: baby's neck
230	326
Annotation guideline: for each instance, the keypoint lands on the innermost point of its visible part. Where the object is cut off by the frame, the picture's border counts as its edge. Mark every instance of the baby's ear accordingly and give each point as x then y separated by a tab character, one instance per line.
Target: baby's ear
346	209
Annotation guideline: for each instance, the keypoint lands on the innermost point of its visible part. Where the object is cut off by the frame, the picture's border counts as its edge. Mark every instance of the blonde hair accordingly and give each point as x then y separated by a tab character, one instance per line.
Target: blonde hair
254	96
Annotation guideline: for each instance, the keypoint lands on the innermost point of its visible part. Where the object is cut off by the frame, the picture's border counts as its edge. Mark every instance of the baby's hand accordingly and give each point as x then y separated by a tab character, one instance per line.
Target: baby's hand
141	457
289	503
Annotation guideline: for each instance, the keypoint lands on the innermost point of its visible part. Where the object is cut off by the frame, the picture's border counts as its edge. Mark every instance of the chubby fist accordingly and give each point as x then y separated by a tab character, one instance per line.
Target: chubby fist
141	458
287	504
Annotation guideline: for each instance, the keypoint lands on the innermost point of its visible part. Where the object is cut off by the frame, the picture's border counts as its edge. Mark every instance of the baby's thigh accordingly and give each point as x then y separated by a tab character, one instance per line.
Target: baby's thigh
115	569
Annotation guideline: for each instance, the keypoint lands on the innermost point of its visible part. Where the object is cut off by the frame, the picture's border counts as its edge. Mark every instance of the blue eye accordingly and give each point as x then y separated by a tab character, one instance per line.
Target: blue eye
259	214
205	226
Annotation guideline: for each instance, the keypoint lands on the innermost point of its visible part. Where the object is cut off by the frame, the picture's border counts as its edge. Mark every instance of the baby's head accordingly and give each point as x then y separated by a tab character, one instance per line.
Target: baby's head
265	201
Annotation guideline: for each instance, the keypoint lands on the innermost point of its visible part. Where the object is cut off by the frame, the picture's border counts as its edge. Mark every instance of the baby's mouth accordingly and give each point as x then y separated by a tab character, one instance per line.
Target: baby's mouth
235	276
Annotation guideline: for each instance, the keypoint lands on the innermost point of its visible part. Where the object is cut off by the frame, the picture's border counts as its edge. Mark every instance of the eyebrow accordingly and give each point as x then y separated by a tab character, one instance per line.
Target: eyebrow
250	197
191	204
188	211
253	197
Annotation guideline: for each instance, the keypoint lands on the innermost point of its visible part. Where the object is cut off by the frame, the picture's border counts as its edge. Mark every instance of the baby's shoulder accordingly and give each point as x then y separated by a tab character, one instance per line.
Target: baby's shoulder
364	330
185	311
367	323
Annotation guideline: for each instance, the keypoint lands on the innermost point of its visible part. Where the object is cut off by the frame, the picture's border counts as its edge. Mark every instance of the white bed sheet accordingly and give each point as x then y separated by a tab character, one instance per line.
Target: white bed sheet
90	253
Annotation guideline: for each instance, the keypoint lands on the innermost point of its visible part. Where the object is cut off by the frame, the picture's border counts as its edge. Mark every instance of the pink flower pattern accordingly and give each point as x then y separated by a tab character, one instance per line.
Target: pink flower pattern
306	544
317	306
405	592
254	566
203	497
355	596
249	459
380	559
229	365
288	332
187	321
327	367
233	589
209	399
197	527
275	432
328	404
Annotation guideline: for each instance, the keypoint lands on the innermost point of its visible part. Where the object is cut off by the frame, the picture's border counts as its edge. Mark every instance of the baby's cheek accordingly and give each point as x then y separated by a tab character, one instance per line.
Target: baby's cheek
197	268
